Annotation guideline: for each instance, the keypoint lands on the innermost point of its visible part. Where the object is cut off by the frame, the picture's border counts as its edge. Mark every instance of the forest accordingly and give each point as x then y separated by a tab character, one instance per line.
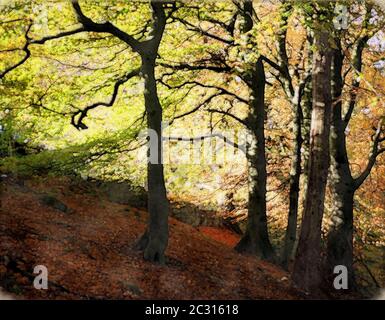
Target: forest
167	149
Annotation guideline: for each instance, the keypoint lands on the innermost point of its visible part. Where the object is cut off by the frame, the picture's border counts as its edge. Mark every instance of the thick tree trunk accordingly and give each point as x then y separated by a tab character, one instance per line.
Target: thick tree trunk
154	241
256	238
306	272
343	185
340	236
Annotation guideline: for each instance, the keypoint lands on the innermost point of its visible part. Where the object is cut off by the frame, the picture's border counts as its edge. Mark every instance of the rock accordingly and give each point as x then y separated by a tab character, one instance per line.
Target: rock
194	216
125	193
51	201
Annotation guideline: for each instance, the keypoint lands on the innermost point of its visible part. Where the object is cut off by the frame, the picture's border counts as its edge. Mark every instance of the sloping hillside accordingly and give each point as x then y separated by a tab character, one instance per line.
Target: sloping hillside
86	242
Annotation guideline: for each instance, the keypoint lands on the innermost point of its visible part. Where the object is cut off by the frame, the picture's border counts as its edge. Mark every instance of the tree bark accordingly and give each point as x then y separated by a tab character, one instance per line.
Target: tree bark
294	97
342	183
295	174
301	102
307	107
155	240
256	238
340	236
306	272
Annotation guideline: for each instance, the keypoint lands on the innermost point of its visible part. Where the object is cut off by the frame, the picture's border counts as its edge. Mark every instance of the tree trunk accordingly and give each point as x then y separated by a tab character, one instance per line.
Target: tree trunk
340	236
295	174
343	185
307	107
294	97
300	101
306	272
256	238
154	241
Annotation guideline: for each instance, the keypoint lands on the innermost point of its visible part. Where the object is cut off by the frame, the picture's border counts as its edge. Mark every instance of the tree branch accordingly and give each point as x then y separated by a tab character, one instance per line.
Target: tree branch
106	27
30	41
56	36
186	66
78	122
194	28
357	66
24	59
283	58
222	91
375	152
226	113
199	106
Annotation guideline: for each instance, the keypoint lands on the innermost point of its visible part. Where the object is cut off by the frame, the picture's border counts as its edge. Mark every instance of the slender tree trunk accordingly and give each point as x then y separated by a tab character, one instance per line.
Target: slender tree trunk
294	97
301	104
154	241
307	107
306	272
300	169
256	238
295	174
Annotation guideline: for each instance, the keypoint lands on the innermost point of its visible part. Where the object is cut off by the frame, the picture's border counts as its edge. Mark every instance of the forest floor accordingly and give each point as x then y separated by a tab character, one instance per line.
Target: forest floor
88	249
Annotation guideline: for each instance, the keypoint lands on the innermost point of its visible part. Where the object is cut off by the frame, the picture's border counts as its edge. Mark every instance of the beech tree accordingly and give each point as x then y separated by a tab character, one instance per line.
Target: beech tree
307	264
256	239
297	88
343	184
154	241
235	64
